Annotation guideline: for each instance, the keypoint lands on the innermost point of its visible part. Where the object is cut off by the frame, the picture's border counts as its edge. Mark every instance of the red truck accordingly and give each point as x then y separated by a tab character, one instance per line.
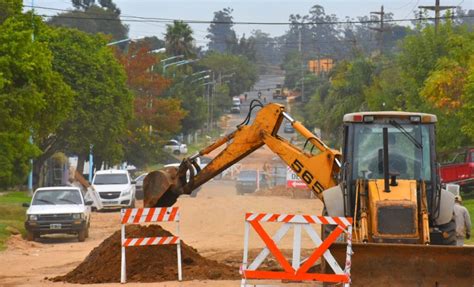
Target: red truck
460	169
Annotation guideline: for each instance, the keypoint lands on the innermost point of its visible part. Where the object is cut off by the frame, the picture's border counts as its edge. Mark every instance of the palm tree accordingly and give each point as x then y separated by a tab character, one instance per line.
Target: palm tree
179	39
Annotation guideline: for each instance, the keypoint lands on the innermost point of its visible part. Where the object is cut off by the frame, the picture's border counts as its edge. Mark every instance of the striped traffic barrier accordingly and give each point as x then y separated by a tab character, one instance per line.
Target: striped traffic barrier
149	215
298	269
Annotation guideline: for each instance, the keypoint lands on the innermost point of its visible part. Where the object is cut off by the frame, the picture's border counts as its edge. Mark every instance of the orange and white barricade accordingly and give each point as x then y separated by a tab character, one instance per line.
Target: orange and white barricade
298	270
147	215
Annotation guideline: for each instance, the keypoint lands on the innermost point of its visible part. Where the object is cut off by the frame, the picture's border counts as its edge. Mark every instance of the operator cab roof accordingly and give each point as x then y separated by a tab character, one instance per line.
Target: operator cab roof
371	116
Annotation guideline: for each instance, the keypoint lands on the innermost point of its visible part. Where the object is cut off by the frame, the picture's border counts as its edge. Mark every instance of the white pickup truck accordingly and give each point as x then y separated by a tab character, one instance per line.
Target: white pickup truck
60	209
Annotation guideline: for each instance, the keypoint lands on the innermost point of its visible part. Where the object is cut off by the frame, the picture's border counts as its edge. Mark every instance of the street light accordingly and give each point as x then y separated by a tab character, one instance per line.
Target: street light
179	63
201	78
119	41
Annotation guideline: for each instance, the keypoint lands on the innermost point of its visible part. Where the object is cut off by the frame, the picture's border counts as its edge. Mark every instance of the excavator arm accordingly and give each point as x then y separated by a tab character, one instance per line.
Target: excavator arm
318	170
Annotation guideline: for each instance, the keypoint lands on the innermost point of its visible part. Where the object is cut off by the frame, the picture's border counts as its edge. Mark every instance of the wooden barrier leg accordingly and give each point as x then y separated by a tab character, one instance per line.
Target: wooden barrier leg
123	270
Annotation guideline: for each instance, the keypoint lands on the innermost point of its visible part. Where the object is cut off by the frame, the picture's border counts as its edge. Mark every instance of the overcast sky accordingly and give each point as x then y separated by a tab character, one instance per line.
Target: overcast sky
246	10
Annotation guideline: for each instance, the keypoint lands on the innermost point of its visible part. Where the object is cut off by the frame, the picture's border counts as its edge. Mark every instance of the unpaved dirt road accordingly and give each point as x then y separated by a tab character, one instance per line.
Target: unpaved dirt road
212	223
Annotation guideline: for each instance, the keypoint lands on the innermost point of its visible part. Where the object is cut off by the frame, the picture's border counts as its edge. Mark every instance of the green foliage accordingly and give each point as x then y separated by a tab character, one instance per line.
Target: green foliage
431	73
244	72
12	214
344	93
102	104
222	37
90	20
179	39
9	8
33	97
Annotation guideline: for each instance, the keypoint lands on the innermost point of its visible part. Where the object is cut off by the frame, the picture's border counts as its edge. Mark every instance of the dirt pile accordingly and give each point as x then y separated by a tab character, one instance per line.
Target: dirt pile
282	190
145	263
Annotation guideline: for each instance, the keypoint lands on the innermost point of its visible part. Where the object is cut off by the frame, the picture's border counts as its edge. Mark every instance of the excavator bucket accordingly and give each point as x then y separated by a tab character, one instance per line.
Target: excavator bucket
377	264
159	187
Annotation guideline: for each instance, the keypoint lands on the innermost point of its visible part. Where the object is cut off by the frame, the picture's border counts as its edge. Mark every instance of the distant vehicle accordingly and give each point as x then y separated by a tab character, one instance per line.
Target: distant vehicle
460	169
235	109
139	186
59	209
236	101
288	129
247	181
175	147
115	188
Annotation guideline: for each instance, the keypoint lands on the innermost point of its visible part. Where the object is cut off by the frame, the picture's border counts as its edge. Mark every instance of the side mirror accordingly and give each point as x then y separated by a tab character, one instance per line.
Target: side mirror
134	182
89	203
25	204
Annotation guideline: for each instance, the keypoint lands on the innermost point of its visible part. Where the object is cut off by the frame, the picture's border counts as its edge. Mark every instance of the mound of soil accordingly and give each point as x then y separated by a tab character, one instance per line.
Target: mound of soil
282	190
145	263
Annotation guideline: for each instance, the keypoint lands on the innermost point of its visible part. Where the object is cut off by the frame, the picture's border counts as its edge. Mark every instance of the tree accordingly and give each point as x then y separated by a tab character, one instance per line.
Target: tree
10	8
102	105
179	39
221	35
244	72
34	99
93	19
155	117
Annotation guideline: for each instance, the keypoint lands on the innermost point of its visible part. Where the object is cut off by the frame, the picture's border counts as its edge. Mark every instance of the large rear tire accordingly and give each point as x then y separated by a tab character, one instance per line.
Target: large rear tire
448	233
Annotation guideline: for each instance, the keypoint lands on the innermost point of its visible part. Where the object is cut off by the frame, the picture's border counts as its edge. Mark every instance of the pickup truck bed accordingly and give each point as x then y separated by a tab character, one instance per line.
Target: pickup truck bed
460	170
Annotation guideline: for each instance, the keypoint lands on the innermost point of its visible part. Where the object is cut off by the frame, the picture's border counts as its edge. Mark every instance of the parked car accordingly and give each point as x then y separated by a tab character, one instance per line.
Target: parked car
115	188
288	129
139	186
175	147
459	169
247	181
236	101
235	109
60	209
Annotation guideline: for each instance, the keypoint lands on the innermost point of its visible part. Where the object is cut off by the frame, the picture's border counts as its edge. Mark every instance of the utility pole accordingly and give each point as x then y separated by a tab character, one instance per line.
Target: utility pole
302	62
437	8
381	29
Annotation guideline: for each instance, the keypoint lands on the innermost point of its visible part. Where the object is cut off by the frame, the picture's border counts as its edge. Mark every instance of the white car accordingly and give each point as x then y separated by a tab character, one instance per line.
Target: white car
176	147
115	188
57	210
235	109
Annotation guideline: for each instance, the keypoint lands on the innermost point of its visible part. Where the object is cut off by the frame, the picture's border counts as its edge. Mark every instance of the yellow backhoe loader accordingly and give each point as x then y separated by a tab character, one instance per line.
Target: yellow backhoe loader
386	179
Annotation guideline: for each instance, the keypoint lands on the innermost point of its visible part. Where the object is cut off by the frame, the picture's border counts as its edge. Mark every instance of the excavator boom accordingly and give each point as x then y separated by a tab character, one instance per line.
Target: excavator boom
163	187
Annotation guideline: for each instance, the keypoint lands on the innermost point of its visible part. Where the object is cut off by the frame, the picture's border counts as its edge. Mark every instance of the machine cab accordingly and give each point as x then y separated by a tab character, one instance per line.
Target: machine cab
393	190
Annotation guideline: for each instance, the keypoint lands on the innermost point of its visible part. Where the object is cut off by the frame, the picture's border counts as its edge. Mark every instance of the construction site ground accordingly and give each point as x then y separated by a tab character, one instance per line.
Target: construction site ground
213	223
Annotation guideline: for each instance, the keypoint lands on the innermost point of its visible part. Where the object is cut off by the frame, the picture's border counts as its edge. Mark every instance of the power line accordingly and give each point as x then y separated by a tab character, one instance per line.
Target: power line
139	19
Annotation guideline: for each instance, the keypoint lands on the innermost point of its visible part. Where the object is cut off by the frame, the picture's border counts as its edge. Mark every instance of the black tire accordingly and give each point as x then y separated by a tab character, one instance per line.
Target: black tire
81	235
448	233
30	236
176	152
132	205
87	230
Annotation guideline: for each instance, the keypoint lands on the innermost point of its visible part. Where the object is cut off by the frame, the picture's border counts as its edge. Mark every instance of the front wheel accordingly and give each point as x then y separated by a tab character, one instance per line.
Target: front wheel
30	236
81	236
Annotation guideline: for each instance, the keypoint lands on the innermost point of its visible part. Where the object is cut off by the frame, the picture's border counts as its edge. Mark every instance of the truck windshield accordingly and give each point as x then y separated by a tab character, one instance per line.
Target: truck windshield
56	197
408	156
110	179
